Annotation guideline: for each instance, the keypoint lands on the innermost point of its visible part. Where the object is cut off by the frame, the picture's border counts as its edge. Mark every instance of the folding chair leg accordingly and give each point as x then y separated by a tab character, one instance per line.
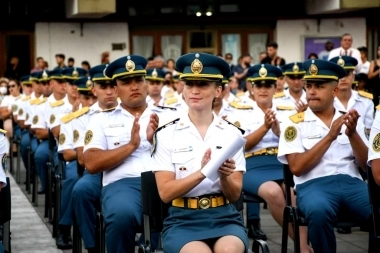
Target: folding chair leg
77	239
260	244
35	189
48	202
285	229
296	226
57	210
28	170
100	233
18	166
146	247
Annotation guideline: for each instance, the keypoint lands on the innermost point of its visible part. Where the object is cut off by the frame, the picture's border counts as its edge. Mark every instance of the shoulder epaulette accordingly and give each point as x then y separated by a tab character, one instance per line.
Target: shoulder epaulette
68	117
171	100
25	98
41	101
297	118
81	112
285	108
166	108
240	106
240	94
34	101
232	124
57	103
279	95
108	110
3	131
154	144
365	94
378	107
169	95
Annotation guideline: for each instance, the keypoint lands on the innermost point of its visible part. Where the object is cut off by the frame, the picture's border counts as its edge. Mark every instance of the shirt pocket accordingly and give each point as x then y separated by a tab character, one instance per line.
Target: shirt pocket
184	163
311	139
116	137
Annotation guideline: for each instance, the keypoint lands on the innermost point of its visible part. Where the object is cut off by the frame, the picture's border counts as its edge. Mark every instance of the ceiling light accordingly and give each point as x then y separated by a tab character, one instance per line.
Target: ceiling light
209	13
198	14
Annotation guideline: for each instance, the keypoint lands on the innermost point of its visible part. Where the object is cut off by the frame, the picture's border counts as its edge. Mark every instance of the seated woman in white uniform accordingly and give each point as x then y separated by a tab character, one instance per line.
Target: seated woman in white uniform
201	218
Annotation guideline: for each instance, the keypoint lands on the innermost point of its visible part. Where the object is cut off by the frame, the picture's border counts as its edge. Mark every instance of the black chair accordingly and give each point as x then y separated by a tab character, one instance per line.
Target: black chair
374	193
5	215
100	230
50	174
294	216
77	238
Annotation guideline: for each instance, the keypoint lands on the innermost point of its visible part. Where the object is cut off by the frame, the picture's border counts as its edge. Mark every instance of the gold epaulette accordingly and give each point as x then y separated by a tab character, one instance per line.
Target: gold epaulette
378	107
169	95
41	101
25	98
285	108
235	125
279	95
3	131
365	94
57	103
108	110
240	94
171	100
68	117
81	112
237	105
297	118
34	101
154	144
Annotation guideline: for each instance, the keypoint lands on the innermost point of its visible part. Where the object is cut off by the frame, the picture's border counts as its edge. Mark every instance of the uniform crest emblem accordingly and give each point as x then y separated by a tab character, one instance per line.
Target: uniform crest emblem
313	69
290	133
52	118
61	139
75	73
196	66
154	73
44	75
296	68
88	137
341	62
27	116
35	119
20	112
263	71
130	65
76	135
376	143
89	84
237	123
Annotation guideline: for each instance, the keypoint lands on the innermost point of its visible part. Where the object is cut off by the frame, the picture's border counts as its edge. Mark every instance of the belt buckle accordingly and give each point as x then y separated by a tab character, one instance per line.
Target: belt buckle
270	151
204	203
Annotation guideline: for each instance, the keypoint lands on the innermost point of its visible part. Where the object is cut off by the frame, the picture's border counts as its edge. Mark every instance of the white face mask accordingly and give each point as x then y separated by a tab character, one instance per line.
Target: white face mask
3	90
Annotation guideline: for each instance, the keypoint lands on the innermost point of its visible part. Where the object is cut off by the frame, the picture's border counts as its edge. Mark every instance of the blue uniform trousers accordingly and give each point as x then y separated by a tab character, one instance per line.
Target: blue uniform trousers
321	199
121	206
85	198
24	144
68	183
41	157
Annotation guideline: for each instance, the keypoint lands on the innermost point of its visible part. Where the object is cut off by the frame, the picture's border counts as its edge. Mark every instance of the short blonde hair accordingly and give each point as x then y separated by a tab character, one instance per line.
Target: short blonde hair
4	80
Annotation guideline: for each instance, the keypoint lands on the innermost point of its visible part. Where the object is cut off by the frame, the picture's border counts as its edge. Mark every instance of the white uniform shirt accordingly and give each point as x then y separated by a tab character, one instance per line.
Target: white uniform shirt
151	102
40	116
365	67
181	146
374	139
59	112
23	105
113	132
18	104
363	105
66	139
3	151
223	111
31	111
353	52
9	101
82	122
338	159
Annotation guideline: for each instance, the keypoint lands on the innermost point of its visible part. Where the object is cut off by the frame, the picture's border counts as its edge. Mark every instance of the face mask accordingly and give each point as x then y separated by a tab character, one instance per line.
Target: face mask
3	90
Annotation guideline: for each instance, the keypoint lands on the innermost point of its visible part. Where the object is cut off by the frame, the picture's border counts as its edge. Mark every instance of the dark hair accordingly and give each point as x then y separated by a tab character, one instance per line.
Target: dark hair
39	58
312	54
71	59
228	54
86	63
17	82
273	44
363	49
151	58
344	35
60	56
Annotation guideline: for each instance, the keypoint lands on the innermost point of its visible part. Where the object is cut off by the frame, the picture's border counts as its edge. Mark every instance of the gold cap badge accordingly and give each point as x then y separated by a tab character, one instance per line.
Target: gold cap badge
130	65
263	71
75	73
44	75
154	73
341	62
196	65
30	78
89	83
296	68
313	69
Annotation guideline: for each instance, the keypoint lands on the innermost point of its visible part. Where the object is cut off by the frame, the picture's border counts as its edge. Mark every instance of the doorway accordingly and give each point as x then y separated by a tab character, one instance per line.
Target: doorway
20	46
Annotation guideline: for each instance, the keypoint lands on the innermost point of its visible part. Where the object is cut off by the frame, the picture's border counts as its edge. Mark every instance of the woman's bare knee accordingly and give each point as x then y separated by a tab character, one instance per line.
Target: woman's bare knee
195	247
229	244
271	192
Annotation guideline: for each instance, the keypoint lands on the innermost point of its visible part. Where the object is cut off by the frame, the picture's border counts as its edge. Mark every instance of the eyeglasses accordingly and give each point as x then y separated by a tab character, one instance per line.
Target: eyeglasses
12	86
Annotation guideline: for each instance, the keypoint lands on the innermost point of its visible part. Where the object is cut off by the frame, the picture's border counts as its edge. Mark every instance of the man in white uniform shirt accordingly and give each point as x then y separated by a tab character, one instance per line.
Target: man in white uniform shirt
347	50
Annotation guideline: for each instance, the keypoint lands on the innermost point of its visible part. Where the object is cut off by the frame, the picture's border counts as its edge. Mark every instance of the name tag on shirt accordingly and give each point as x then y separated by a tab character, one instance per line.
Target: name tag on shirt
115	125
183	149
316	136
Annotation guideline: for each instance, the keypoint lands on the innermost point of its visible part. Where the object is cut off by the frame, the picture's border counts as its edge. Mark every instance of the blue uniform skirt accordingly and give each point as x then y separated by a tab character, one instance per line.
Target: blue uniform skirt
261	169
186	225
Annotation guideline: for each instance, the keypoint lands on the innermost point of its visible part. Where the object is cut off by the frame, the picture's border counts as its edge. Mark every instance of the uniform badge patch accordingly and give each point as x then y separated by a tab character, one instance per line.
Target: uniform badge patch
35	119
76	136
20	112
62	139
88	137
14	108
290	133
237	123
52	118
376	143
27	116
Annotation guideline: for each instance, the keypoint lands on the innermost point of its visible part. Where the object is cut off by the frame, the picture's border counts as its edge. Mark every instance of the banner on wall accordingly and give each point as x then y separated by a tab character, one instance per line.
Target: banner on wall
231	42
319	46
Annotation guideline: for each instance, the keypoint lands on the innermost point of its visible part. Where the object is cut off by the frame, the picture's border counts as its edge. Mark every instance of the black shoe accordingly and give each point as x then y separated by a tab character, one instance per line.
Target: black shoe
64	241
344	230
255	232
91	250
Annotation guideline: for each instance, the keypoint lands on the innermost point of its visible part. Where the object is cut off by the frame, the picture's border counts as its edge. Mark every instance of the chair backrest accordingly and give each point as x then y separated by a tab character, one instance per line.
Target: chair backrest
152	204
289	183
52	142
374	196
5	203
